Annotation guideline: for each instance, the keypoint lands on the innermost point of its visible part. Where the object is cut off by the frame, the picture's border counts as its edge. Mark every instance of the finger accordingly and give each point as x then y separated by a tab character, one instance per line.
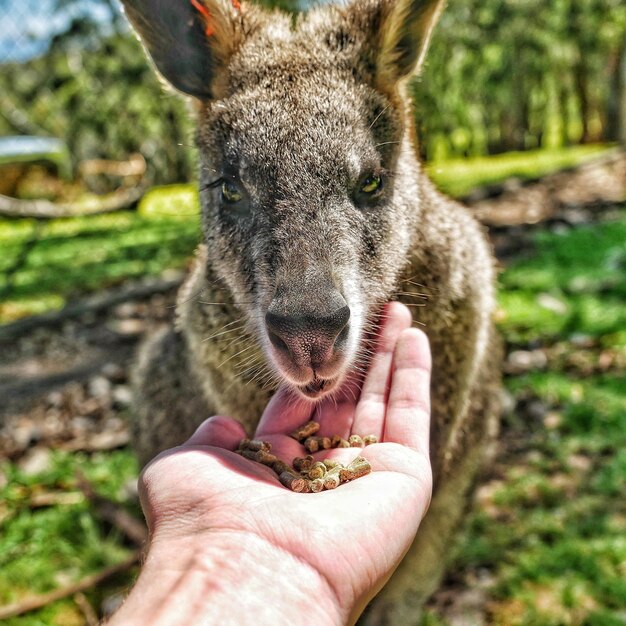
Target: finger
221	431
370	411
284	413
408	411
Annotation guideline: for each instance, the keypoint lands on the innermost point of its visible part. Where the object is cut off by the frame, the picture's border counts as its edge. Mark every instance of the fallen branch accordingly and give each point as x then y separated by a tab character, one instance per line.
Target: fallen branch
91	619
113	513
91	304
97	442
119	200
134	166
38	601
55	498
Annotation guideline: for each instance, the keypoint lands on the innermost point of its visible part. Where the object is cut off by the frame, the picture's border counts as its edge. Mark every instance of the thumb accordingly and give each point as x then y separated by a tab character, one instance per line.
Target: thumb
219	430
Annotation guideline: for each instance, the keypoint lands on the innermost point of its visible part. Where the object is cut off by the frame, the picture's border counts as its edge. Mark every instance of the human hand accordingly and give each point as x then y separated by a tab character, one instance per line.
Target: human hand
329	552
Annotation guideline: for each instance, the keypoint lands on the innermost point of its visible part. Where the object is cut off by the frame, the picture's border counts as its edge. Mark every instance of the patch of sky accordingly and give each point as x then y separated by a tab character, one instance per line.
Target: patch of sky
28	26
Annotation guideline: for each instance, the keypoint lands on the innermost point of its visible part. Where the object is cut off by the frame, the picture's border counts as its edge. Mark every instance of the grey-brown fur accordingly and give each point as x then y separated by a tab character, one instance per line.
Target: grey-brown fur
295	115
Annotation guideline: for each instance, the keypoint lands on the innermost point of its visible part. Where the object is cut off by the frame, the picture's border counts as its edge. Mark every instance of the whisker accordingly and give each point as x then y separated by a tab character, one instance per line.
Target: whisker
412	282
233	342
222	303
385	143
250	361
378	116
221	331
191	297
413	294
236	354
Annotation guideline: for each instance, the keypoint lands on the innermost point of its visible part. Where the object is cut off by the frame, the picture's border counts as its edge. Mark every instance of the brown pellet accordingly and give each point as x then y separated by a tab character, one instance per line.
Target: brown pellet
311	444
306	430
257	444
330	464
368	440
303	464
280	467
248	454
356	441
332	480
243	444
318	469
316	485
267	458
334	441
359	467
295	483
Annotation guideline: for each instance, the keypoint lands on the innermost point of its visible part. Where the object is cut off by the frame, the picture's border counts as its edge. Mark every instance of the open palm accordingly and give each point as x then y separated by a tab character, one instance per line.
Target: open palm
354	536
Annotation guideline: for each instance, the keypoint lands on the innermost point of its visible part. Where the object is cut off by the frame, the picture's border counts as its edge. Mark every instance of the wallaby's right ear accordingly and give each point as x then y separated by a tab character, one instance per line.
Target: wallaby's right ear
392	36
188	40
406	31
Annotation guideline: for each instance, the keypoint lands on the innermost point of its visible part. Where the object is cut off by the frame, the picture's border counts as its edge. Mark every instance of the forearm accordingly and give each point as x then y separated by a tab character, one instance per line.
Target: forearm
233	579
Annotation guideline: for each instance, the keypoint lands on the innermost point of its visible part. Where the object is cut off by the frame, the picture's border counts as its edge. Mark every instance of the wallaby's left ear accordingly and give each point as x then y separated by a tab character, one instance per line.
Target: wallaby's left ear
188	40
406	29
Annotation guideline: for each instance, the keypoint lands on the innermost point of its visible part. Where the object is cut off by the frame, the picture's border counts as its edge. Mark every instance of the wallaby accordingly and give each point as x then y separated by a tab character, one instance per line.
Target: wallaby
315	211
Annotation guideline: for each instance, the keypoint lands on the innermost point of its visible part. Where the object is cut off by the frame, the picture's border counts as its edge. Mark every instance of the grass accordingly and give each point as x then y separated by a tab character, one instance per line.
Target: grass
42	547
575	283
458	177
78	255
549	529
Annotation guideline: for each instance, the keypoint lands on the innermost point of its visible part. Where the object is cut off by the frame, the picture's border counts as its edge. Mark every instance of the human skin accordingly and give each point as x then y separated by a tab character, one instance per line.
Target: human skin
230	544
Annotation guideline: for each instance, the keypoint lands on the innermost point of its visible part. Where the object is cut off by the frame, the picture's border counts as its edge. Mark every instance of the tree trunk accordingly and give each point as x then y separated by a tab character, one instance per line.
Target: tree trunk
615	129
580	78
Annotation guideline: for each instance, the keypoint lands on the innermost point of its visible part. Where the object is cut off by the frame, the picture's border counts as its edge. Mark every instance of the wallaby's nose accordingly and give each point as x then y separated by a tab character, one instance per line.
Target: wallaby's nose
309	339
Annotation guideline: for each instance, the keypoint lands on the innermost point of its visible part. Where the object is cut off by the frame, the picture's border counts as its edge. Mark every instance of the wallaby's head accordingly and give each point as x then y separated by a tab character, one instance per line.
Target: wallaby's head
301	126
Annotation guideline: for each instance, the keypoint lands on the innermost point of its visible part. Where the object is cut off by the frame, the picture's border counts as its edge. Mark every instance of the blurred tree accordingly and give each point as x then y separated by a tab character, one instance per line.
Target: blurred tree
515	74
616	104
501	75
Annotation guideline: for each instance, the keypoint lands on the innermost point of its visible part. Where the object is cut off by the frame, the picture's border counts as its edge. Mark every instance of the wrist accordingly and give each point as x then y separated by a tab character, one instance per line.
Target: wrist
228	577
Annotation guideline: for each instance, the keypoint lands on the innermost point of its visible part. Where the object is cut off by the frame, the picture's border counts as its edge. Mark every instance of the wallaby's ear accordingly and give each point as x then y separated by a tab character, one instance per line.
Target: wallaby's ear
188	40
393	35
406	29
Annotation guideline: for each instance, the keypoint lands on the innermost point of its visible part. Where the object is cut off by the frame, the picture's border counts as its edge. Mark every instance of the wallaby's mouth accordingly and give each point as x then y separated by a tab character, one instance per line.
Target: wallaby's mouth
310	346
311	382
318	387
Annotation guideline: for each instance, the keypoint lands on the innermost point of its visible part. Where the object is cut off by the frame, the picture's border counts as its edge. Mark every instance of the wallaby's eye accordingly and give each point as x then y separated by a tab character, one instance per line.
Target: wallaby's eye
369	191
230	192
371	185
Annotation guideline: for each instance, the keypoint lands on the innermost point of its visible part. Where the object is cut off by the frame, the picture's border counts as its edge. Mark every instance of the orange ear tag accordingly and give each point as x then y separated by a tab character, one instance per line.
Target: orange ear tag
201	8
209	30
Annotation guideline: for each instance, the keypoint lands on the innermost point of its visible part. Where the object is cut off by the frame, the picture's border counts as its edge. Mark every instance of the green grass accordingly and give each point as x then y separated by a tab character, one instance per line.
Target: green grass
79	255
42	547
551	530
573	284
459	176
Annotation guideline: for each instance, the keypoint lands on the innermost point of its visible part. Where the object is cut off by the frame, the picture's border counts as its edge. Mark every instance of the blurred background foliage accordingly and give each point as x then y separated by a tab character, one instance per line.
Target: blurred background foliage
501	75
519	74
